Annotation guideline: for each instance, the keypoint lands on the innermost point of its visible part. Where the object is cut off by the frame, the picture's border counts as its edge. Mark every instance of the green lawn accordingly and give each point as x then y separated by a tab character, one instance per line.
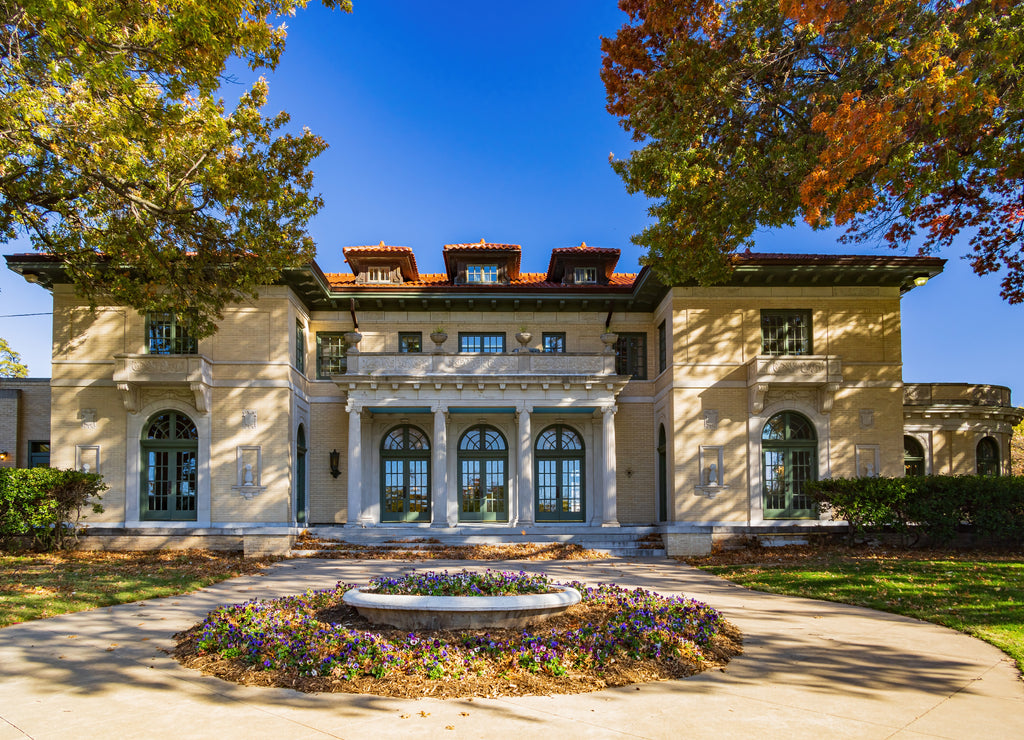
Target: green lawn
982	595
34	586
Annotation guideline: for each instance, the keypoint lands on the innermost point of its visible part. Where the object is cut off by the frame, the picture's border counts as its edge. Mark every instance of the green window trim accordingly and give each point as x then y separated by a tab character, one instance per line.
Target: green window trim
913	457
786	332
405	475
662	348
330	354
410	342
553	341
560	475
987	454
166	336
170	456
789	455
482	342
300	346
631	355
483	472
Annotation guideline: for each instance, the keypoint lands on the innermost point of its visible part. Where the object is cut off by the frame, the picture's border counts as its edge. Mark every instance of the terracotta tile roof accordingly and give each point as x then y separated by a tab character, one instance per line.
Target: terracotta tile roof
535	280
483	246
584	249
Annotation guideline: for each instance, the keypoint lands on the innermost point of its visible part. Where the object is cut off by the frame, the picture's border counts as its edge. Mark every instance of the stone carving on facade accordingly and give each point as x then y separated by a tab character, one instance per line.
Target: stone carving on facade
88	417
790	367
249	419
157	366
711	419
249	466
867	418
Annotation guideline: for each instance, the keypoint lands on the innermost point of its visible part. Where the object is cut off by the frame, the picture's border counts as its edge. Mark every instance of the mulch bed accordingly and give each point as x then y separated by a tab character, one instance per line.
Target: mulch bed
515	682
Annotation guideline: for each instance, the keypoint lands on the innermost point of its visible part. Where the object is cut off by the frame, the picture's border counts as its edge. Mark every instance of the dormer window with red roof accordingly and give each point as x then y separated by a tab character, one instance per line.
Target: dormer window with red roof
582	265
382	264
482	263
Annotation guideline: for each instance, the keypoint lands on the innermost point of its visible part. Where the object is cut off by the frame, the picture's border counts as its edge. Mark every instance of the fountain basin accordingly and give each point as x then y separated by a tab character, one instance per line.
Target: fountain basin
460	612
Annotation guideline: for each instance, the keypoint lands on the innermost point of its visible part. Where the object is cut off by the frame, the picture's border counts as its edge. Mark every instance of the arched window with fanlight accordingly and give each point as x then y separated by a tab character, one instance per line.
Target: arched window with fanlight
789	448
405	475
559	461
483	475
988	457
169	449
913	457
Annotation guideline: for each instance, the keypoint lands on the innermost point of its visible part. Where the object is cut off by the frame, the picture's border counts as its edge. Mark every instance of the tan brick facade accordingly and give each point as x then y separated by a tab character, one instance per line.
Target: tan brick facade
712	388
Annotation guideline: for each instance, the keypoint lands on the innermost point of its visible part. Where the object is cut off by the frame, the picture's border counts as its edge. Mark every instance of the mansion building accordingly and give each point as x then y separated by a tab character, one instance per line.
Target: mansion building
486	399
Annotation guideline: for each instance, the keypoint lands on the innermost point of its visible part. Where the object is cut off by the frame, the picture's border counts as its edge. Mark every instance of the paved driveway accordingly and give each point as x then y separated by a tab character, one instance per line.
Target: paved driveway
810	670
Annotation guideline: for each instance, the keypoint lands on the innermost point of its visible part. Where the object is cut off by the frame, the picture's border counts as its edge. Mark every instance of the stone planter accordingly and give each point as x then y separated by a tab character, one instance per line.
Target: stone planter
524	338
608	339
460	612
438	338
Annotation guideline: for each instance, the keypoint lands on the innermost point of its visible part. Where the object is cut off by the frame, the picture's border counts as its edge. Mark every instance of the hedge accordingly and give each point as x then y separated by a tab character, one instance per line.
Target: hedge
45	504
933	505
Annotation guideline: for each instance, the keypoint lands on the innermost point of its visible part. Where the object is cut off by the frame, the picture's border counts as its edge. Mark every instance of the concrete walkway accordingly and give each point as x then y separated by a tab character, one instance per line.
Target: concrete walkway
810	670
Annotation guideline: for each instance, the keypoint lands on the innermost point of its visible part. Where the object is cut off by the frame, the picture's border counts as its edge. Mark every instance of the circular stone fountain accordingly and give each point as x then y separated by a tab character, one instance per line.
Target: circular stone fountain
460	612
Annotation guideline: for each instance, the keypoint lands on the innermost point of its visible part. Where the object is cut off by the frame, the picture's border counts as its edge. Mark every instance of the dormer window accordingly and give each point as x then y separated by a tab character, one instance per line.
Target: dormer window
585	275
378	274
481	273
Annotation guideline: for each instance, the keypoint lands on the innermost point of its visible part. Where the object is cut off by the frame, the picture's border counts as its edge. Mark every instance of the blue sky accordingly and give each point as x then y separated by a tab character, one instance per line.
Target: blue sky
460	121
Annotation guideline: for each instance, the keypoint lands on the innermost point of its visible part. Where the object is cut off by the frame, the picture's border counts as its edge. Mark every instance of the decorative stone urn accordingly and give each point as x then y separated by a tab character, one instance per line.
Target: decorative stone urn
438	337
460	612
524	338
609	338
353	338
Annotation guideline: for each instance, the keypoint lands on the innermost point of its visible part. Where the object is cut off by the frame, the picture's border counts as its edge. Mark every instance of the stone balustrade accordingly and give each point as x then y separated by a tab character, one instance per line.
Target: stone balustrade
481	364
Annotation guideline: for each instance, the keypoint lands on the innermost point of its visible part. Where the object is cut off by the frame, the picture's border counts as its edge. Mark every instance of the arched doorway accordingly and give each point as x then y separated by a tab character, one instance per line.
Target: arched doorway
913	457
405	475
988	457
169	447
300	475
789	448
559	461
483	475
662	475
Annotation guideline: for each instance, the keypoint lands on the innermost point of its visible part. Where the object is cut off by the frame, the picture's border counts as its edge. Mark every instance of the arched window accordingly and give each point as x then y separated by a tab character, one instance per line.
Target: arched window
405	475
988	457
789	449
300	476
169	459
483	475
913	457
559	459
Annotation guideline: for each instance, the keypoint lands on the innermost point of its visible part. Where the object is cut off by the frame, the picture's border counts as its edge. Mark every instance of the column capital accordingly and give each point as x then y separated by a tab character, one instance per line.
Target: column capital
610	409
522	409
353	407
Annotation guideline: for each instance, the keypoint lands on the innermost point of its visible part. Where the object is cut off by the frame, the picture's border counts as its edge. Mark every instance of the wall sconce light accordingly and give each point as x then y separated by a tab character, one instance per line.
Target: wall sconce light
4	454
335	462
921	280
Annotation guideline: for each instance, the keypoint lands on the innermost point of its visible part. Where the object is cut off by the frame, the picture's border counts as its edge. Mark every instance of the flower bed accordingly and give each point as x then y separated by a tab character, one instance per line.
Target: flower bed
314	642
462	583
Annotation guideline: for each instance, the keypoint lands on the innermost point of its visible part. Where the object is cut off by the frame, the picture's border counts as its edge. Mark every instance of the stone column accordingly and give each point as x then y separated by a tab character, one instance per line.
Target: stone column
609	513
525	486
355	463
443	511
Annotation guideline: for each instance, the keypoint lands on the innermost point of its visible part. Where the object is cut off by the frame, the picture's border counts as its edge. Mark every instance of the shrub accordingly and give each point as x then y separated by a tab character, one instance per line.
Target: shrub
934	505
46	504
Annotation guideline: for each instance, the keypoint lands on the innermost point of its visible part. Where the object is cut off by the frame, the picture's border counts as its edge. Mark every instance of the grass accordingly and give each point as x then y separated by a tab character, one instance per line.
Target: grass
35	586
979	594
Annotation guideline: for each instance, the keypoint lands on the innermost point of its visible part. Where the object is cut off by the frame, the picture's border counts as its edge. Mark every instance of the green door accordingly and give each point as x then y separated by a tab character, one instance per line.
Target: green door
405	476
169	468
483	476
559	480
790	454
